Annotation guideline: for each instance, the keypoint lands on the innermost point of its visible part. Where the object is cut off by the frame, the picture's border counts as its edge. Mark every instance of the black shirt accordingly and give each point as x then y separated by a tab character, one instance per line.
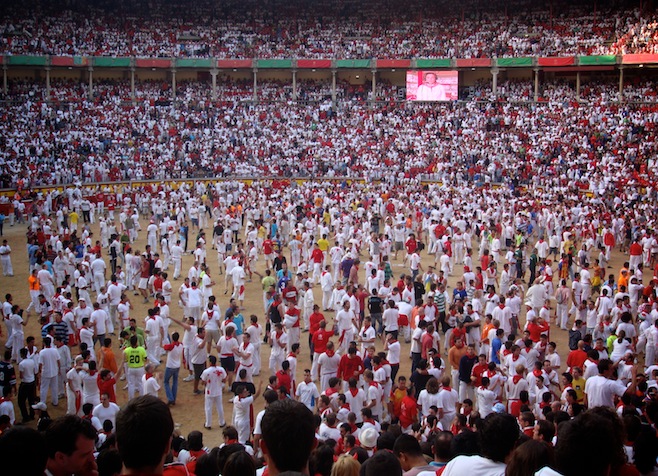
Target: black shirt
419	381
375	305
7	375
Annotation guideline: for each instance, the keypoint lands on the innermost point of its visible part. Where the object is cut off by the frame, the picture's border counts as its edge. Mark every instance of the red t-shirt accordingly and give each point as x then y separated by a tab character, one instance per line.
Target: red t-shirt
411	245
347	367
317	256
284	380
576	358
314	322
478	371
268	247
320	339
408	409
107	386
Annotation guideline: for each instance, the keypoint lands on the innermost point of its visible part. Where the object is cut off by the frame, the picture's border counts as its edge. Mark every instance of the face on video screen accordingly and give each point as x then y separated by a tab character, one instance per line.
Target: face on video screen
432	85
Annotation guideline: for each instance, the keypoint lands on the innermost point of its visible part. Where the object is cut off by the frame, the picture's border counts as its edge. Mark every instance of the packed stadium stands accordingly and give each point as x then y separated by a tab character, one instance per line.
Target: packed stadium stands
325	29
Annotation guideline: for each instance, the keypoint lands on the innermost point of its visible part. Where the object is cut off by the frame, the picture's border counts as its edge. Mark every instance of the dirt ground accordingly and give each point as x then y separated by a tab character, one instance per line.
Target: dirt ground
189	411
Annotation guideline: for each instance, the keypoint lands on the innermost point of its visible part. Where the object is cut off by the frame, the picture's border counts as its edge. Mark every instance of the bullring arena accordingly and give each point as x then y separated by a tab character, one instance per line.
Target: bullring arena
464	168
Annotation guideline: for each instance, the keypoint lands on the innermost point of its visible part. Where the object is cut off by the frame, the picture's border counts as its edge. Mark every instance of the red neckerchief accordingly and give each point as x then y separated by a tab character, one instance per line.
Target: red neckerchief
515	358
516	379
490	373
346	406
292	355
374	384
148	376
536	372
330	391
330	353
447	389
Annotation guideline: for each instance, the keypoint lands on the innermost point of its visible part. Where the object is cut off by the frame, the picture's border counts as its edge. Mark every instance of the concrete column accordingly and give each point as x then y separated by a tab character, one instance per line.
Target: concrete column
333	87
173	84
5	86
536	96
374	85
621	84
578	86
255	70
213	74
494	82
132	84
294	85
47	83
91	82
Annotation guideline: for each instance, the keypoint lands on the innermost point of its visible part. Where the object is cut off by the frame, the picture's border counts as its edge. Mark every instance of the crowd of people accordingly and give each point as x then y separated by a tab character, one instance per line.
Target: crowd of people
482	346
560	141
326	29
421	289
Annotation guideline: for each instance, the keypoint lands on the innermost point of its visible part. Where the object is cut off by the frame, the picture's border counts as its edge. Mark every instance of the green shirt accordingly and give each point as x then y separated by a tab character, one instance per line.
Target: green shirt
268	282
135	357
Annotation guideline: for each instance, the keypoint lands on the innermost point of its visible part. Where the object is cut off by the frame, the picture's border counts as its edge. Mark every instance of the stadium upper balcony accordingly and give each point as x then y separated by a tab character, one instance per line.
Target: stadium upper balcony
325	29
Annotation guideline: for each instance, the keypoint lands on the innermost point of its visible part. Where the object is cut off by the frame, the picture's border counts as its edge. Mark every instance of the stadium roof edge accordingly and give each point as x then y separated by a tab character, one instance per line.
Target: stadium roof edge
552	62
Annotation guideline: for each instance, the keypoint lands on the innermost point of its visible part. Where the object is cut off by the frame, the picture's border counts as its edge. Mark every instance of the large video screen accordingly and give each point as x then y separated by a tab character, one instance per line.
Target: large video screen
432	85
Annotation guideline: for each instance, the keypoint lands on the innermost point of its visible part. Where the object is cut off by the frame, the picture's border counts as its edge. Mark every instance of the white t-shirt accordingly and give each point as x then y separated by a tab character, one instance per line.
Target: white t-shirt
308	394
214	378
473	466
49	360
150	386
601	391
109	413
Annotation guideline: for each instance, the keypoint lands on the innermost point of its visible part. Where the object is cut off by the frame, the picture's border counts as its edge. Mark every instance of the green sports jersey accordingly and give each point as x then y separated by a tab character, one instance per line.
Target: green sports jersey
135	357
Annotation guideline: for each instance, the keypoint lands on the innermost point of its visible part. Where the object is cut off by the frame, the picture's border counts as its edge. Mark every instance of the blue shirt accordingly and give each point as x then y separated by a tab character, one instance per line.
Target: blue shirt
496	344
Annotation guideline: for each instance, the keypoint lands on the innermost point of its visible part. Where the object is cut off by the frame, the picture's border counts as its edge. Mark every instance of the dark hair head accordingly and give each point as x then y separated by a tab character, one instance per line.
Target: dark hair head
239	463
498	436
62	435
109	462
27	447
195	441
407	444
144	429
288	424
321	459
382	463
441	445
588	433
207	464
530	457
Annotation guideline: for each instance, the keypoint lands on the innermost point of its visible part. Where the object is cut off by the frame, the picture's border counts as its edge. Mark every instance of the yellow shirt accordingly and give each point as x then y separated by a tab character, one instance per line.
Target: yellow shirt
135	357
323	245
579	386
74	217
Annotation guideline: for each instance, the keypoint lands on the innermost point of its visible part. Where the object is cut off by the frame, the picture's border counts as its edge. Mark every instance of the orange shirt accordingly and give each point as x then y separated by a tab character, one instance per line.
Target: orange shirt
485	333
109	361
33	282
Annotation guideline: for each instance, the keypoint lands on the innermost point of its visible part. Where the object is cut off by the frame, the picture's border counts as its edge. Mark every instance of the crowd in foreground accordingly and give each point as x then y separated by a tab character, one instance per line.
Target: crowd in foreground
482	350
327	30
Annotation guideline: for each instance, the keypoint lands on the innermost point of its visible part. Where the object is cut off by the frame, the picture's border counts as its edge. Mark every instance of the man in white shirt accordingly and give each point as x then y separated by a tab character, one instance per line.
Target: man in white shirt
106	410
600	390
49	363
150	381
213	379
499	434
307	392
